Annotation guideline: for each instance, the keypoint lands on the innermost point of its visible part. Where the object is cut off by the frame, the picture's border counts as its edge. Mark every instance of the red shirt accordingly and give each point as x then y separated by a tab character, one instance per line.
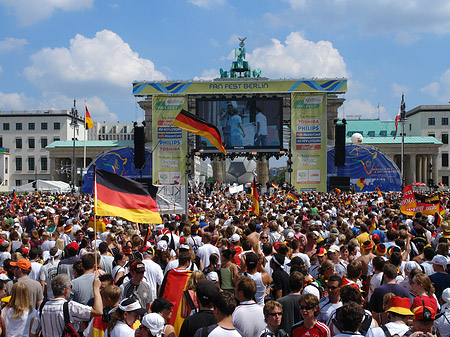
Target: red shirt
318	330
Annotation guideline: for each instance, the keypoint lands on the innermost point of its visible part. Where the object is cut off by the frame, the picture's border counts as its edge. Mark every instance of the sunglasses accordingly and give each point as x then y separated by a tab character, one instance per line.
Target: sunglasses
276	314
306	307
264	237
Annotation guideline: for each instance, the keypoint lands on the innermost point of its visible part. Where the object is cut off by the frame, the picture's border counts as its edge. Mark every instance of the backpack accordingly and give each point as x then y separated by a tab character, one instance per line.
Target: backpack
69	330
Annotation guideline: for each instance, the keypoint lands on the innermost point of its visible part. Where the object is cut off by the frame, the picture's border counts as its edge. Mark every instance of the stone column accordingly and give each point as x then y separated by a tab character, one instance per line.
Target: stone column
219	170
411	176
147	106
424	168
428	168
262	170
435	169
419	167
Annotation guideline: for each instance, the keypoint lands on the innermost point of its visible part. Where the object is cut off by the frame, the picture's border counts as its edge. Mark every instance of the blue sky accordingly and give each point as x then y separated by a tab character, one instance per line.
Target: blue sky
52	51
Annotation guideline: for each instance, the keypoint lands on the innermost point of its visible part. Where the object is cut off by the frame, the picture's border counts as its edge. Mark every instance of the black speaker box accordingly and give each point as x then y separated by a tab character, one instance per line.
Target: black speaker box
139	147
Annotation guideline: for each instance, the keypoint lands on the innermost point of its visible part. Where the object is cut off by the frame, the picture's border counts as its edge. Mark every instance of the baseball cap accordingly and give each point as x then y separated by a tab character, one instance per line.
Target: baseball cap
73	245
251	259
131	304
206	290
184	246
290	235
212	276
162	245
321	252
22	264
160	304
334	249
334	231
235	238
155	323
137	266
440	260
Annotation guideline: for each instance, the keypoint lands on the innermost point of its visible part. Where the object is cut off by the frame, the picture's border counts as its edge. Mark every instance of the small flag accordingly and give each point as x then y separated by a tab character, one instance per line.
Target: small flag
275	185
292	196
361	183
379	192
14	196
88	119
255	198
119	196
187	121
338	191
401	114
348	201
437	219
441	185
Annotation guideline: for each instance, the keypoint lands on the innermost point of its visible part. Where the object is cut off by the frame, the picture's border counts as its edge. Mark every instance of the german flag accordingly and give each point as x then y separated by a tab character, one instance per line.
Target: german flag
361	183
441	185
255	198
379	192
119	196
187	121
275	185
437	219
88	119
292	196
348	201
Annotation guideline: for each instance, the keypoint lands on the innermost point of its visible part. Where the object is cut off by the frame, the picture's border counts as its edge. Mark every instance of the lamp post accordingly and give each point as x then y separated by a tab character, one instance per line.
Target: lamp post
74	124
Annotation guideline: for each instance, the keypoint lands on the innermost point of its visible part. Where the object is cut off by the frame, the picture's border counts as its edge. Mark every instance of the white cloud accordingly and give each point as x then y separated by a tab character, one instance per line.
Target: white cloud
298	57
29	12
364	109
102	64
432	89
208	75
372	17
398	89
405	38
207	3
439	90
16	101
9	44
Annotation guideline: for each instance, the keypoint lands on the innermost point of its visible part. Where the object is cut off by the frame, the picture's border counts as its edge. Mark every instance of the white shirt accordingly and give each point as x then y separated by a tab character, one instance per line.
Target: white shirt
35	270
205	251
120	330
245	326
47	245
442	324
221	332
393	327
154	275
20	326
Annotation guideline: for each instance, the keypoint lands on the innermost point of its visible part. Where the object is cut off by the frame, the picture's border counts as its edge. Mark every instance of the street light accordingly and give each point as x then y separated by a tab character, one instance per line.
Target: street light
74	124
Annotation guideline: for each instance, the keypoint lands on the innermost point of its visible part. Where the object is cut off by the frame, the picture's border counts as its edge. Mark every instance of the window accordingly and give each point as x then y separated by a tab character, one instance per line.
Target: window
30	163
30	181
56	139
125	129
1	141
431	135
57	126
18	126
18	182
445	180
6	167
5	126
31	126
31	143
43	163
371	133
445	160
383	133
18	164
431	121
44	126
409	127
444	138
103	129
18	143
43	143
444	121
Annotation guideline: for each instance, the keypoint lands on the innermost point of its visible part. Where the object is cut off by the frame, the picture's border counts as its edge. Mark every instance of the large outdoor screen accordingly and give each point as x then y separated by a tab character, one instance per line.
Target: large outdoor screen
253	124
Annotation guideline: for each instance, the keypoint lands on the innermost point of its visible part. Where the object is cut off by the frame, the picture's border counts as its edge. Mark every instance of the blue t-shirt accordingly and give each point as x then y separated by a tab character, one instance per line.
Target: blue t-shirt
441	281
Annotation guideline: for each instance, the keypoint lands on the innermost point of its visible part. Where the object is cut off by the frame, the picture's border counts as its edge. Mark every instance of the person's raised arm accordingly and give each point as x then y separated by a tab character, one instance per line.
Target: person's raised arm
97	308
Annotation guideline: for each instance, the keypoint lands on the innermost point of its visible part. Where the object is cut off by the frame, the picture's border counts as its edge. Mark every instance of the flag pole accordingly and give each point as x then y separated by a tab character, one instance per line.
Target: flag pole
85	133
403	120
95	219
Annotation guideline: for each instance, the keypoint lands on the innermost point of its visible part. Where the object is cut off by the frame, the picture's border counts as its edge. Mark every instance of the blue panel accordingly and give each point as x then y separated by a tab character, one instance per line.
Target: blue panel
119	161
362	161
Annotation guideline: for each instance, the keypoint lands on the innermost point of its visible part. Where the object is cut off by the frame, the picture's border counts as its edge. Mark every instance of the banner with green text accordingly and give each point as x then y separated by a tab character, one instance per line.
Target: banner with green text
309	141
169	155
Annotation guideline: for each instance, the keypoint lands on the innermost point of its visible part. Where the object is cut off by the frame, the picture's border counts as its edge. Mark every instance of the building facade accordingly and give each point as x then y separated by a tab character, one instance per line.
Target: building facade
111	131
432	121
24	137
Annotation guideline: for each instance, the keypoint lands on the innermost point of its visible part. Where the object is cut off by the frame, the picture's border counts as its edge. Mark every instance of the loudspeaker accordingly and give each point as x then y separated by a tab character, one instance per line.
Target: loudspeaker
139	147
343	183
339	145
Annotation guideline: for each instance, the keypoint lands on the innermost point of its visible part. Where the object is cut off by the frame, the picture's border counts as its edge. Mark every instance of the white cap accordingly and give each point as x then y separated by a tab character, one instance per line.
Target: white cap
235	237
162	245
440	260
155	323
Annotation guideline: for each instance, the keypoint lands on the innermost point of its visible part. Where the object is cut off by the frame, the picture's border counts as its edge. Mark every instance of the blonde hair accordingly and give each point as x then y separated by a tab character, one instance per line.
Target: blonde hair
60	244
193	279
423	280
20	300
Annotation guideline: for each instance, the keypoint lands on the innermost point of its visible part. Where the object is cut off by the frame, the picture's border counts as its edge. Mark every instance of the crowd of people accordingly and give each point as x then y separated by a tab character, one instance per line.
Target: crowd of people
310	264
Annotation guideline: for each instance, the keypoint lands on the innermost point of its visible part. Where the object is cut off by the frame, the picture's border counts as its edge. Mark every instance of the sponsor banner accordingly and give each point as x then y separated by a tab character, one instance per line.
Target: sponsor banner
308	141
169	156
237	86
409	203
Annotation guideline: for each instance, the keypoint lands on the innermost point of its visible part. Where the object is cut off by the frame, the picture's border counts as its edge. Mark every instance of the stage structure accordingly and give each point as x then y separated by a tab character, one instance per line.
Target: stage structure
258	118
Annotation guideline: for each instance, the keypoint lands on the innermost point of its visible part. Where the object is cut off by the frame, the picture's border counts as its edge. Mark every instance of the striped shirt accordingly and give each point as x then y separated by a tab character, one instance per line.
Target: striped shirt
52	319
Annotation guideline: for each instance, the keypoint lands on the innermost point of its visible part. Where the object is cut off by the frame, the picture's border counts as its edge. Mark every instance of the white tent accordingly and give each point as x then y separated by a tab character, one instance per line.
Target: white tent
52	186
